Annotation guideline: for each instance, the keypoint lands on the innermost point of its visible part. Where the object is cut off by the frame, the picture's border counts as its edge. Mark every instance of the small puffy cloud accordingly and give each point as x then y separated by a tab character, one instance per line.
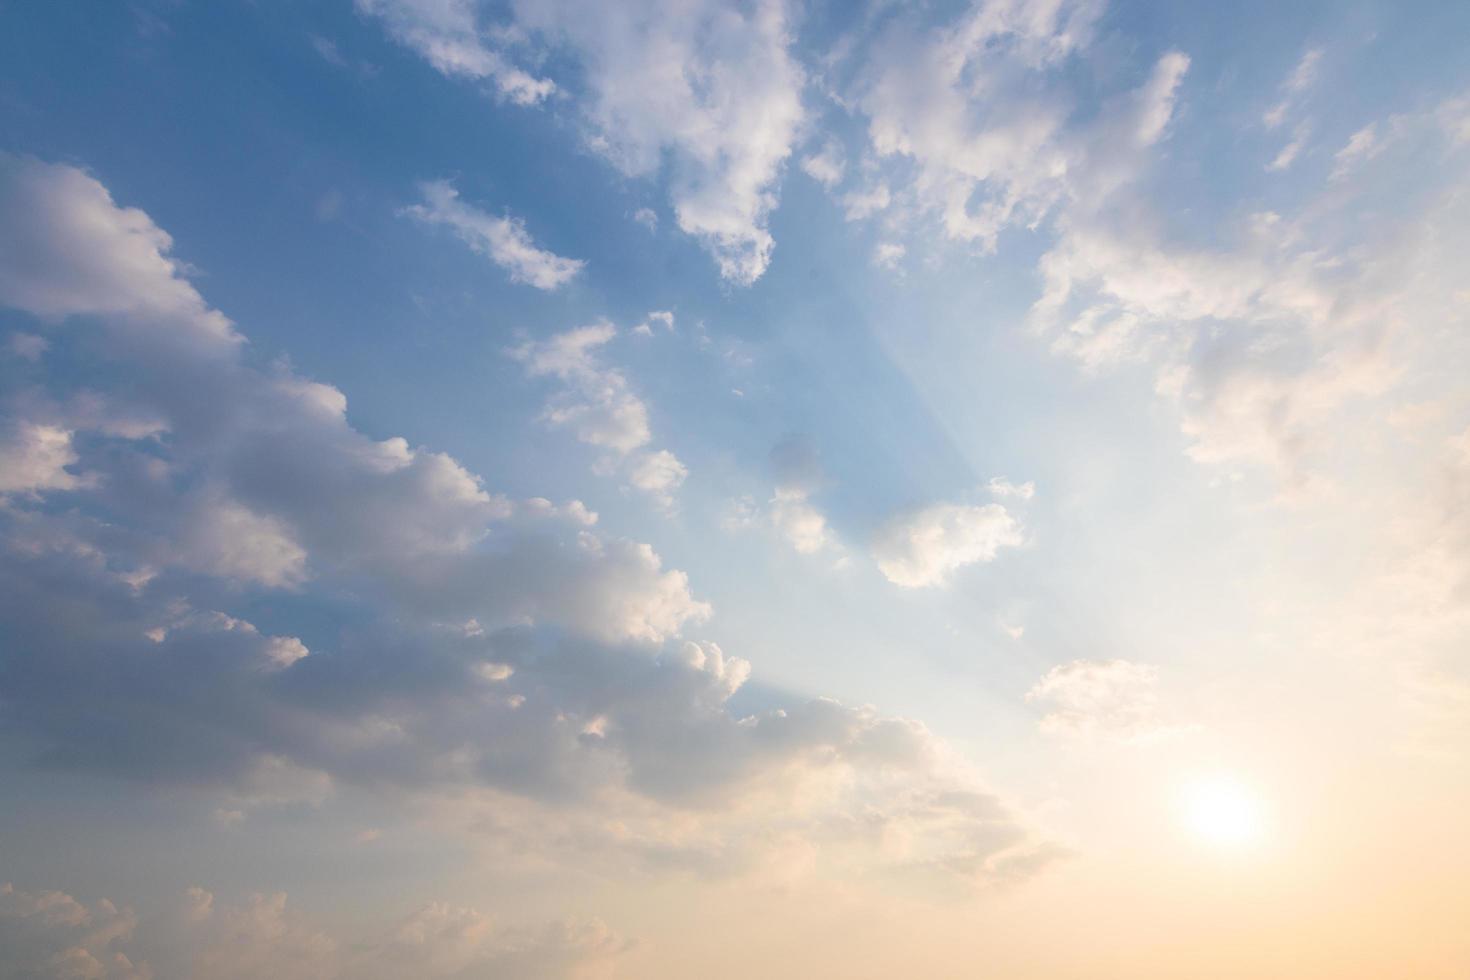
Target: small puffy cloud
999	486
503	240
889	254
922	548
647	217
827	166
658	473
800	523
663	318
1100	699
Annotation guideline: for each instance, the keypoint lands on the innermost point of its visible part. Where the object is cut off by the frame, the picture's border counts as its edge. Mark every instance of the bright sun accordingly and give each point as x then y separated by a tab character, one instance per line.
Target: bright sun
1223	811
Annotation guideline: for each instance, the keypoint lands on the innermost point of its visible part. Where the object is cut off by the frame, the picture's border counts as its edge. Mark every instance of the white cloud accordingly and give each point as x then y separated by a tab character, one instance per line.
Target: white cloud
866	202
889	254
1362	146
503	241
596	402
828	165
1296	84
598	405
453	37
662	317
982	108
66	249
1288	154
711	88
224	538
35	457
659	474
261	478
800	523
921	549
999	486
1100	699
646	217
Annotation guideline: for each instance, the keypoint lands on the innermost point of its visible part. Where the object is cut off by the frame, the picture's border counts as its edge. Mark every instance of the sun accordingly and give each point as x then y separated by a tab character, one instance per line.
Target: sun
1223	811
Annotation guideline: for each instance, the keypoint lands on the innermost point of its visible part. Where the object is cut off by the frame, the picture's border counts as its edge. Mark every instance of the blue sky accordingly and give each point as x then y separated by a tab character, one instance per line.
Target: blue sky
524	479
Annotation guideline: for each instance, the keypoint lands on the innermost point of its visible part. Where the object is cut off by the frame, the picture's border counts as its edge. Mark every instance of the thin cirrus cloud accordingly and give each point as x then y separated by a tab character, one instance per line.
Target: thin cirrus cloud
502	240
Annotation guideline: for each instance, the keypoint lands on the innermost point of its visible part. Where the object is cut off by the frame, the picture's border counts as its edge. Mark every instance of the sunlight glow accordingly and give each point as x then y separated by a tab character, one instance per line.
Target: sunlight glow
1223	811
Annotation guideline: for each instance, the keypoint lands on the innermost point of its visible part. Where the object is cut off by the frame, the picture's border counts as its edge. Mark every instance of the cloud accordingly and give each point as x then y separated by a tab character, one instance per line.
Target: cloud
1288	153
453	37
710	88
503	241
598	405
66	249
486	647
828	165
1362	146
658	474
889	254
1303	342
922	548
661	317
999	486
36	457
1296	84
51	934
1100	699
800	523
978	113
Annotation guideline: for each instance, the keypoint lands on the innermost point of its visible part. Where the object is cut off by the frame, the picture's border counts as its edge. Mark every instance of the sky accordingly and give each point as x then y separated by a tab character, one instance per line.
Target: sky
565	489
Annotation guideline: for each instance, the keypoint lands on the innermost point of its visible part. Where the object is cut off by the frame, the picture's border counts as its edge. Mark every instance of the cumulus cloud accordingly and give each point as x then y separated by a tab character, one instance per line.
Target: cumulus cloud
711	88
488	646
51	934
1100	699
923	548
503	240
36	457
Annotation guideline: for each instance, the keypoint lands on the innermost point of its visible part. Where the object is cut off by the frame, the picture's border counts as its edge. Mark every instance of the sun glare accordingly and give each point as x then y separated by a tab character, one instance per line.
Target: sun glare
1223	811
